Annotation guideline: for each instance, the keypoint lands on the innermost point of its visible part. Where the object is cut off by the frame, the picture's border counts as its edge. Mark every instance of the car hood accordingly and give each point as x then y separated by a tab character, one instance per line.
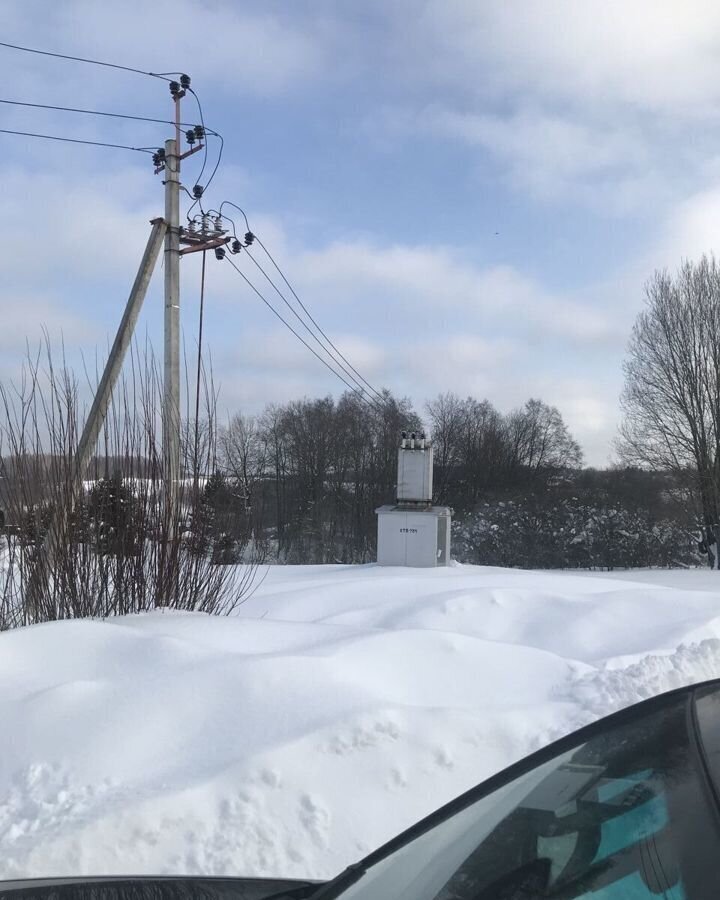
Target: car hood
156	888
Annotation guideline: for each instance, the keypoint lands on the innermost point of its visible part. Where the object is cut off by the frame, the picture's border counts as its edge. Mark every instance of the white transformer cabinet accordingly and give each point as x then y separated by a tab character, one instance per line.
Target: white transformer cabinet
413	532
414	537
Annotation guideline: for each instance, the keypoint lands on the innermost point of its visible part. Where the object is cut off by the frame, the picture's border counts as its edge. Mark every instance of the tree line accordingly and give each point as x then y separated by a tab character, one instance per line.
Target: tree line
300	482
311	474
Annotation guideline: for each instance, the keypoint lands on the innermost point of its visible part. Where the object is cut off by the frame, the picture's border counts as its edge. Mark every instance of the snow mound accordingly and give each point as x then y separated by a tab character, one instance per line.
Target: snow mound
266	743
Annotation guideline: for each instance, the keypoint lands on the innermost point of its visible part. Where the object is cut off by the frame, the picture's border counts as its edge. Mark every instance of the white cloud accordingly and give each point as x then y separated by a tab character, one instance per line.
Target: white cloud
602	104
421	368
420	282
427	273
547	142
655	55
552	155
235	51
99	225
692	229
26	317
589	408
419	319
590	103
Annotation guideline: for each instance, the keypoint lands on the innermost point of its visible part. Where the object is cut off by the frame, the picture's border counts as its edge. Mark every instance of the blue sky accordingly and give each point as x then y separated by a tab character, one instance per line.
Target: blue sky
469	196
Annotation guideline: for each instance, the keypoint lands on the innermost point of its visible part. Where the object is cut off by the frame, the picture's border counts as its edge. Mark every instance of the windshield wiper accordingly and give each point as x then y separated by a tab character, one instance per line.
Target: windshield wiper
354	872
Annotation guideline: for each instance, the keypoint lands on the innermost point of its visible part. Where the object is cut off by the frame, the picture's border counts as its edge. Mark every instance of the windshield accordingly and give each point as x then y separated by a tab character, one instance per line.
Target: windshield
359	438
622	815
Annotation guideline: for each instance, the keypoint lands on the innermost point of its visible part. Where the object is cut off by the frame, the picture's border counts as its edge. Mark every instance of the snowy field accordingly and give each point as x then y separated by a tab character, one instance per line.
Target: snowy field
340	705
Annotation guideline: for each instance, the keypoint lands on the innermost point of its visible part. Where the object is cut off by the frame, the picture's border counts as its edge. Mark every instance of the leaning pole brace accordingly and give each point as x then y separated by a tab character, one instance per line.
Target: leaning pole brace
42	571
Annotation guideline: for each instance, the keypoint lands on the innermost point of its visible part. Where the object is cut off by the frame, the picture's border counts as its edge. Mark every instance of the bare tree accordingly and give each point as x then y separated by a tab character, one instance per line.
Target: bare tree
485	449
671	398
447	416
244	454
479	451
539	440
117	552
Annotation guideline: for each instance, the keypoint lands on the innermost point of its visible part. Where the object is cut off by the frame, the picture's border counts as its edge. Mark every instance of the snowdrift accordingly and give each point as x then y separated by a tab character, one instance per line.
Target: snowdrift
338	706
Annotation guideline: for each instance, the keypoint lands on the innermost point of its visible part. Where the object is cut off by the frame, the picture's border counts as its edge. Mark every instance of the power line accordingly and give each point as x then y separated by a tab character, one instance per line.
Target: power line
235	206
205	155
334	352
97	112
202	122
54	137
114	115
330	353
299	337
164	76
310	316
217	164
93	62
361	391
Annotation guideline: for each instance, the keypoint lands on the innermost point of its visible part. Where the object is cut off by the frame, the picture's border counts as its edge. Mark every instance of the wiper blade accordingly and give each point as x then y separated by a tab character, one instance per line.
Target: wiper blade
305	892
347	877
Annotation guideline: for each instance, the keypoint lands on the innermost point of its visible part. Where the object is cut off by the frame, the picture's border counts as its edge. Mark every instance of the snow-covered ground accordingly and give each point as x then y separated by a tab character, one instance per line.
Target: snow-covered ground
341	704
